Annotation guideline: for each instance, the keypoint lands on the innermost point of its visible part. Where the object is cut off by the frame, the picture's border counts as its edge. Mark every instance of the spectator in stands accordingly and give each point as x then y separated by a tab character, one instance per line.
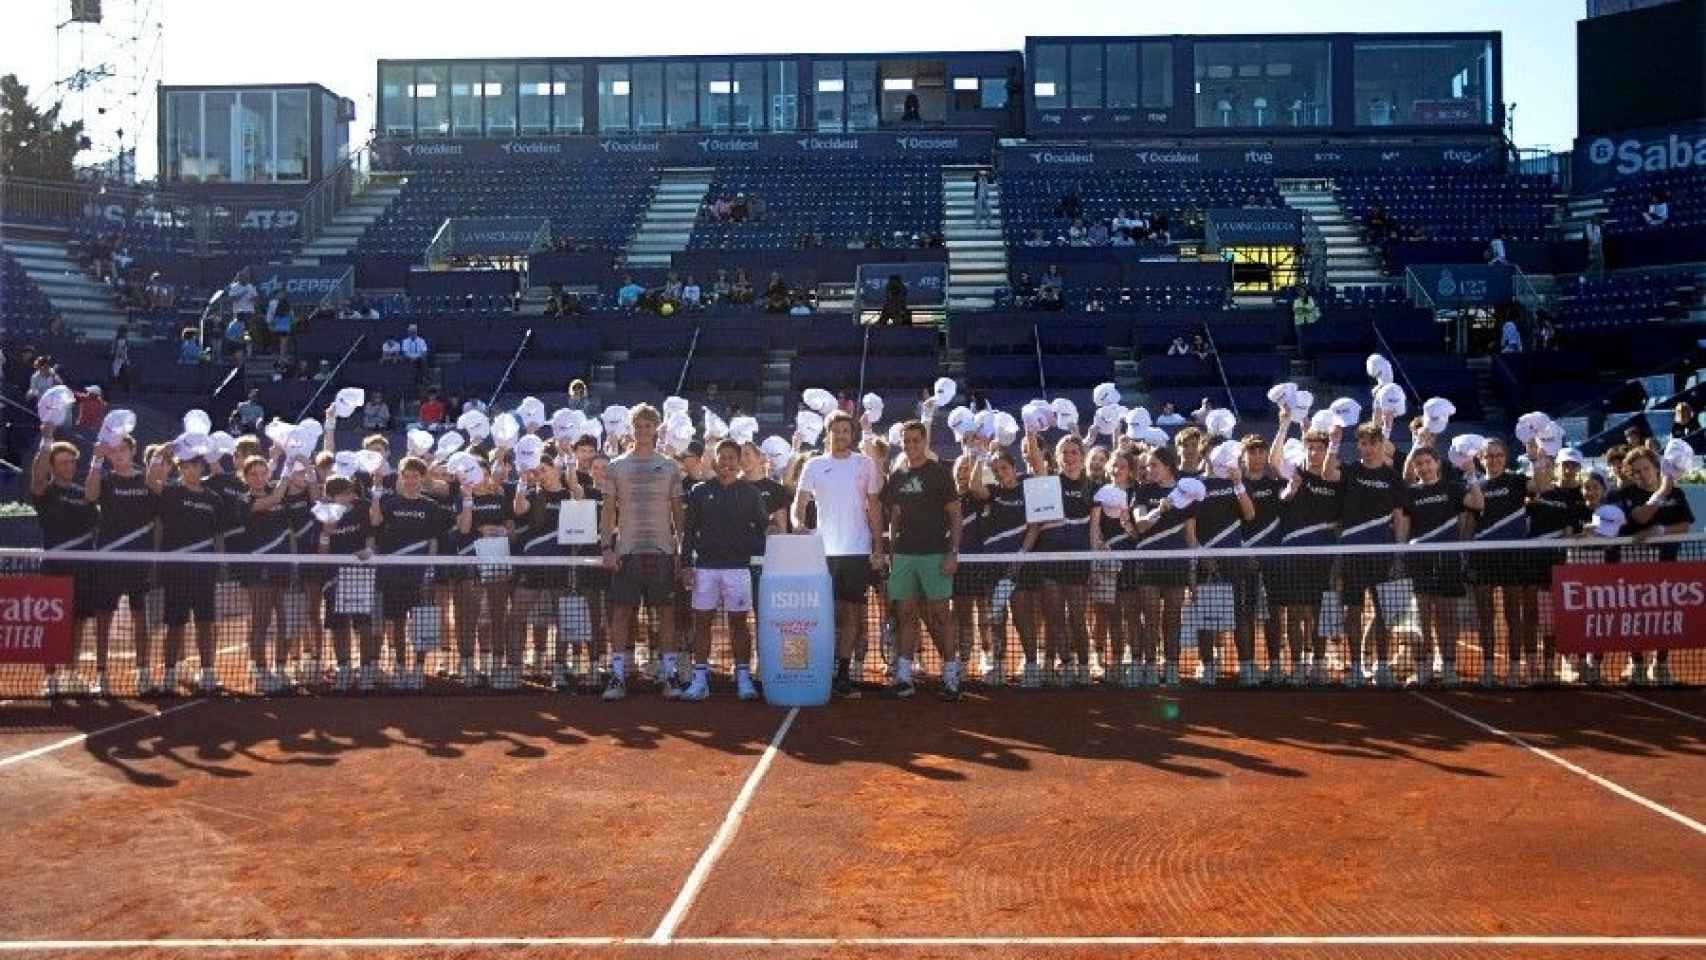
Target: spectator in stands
721	288
324	373
1545	333
742	291
628	295
391	351
56	327
1594	235
578	397
1658	209
691	296
1169	417
1025	291
1097	235
1304	309
1095	303
720	208
800	304
1682	421
756	208
279	320
189	351
1051	291
980	189
375	413
776	294
1078	234
1200	348
1379	225
895	312
247	417
1179	348
431	412
738	208
243	295
1122	238
671	290
1496	252
415	349
235	338
811	240
1510	338
909	109
118	363
845	402
158	294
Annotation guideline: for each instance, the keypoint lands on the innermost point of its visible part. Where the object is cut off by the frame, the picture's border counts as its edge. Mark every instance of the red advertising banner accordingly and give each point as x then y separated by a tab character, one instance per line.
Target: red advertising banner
1598	608
35	619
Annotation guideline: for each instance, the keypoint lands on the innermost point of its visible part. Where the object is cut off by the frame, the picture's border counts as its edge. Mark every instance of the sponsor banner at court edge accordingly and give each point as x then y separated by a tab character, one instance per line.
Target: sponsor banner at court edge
35	619
1598	608
1277	157
1625	156
408	154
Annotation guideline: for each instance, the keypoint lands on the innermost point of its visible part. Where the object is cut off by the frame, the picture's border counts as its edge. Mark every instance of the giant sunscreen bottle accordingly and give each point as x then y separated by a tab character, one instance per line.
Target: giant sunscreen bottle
796	622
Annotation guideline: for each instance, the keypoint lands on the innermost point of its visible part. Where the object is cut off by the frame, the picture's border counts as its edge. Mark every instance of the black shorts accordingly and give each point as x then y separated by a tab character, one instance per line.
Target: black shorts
118	580
644	578
1436	574
1499	568
261	574
189	595
1362	572
1164	574
850	578
83	585
399	591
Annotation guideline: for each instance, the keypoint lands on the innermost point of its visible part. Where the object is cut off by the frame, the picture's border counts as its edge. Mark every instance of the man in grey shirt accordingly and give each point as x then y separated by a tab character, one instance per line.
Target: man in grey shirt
640	530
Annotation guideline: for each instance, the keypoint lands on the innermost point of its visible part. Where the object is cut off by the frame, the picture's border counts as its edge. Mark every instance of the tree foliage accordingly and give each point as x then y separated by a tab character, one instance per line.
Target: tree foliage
33	143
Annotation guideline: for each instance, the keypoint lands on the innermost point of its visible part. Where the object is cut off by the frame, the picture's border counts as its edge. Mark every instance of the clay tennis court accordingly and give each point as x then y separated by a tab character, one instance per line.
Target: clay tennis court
1199	823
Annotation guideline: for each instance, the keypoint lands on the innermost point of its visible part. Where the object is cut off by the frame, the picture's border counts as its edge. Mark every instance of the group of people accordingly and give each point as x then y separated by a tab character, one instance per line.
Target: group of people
736	209
676	514
676	294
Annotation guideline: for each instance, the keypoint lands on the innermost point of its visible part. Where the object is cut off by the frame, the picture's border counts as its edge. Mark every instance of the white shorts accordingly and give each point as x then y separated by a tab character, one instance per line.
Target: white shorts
729	590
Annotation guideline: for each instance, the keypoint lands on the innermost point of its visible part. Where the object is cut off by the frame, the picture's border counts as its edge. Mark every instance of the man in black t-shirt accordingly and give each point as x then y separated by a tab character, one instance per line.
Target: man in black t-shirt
1655	506
1371	504
67	521
922	509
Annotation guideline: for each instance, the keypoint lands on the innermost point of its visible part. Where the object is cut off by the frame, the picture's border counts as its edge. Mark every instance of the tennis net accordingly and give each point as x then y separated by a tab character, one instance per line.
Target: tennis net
1567	612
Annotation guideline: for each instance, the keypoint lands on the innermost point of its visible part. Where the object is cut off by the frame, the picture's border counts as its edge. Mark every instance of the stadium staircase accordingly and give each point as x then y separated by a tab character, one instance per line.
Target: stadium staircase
666	226
977	256
85	304
1349	258
340	234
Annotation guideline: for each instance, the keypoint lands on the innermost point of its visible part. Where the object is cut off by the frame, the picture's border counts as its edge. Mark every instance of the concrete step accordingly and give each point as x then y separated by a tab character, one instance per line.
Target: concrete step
27	248
980	243
956	302
646	260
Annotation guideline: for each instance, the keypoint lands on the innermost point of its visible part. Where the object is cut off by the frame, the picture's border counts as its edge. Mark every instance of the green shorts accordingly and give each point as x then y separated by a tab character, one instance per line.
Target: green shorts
913	573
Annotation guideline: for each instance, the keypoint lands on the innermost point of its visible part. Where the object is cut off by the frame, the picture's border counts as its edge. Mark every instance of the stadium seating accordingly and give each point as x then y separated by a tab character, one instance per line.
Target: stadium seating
1452	206
843	201
27	310
1031	199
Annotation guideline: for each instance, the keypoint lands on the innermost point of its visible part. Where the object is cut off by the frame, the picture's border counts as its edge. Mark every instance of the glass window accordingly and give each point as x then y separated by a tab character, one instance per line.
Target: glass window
992	93
1263	84
500	100
293	141
749	95
217	138
432	101
1086	76
567	107
183	136
396	101
914	91
783	87
1122	75
681	96
861	95
535	91
1048	89
253	118
613	96
1444	83
715	92
829	93
648	96
465	100
1157	68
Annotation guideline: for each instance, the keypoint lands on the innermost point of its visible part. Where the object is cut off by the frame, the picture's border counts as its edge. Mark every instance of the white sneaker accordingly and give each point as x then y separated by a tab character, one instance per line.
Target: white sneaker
743	686
342	683
470	676
507	677
209	682
1383	675
145	682
1353	676
1318	673
1661	675
265	681
1032	677
1131	675
1247	674
951	680
369	677
990	672
671	685
560	678
615	688
1276	674
1170	676
1424	673
699	689
1448	678
169	682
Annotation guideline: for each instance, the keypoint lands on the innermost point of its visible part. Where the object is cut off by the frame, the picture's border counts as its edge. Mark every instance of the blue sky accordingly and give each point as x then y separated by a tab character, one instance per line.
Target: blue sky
337	43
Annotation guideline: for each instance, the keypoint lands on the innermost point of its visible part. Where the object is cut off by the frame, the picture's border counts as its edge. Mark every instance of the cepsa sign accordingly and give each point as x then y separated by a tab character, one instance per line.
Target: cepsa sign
1637	606
35	619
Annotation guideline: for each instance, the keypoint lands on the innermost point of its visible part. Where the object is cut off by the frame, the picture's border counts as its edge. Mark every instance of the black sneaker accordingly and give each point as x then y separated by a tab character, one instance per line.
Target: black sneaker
902	689
843	686
949	692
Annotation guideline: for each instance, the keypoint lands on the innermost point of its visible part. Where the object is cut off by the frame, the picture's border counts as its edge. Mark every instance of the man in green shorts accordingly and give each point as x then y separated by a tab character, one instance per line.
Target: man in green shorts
923	515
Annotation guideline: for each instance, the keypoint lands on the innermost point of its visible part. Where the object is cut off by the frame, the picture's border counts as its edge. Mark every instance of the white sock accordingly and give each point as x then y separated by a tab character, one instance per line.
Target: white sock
742	669
619	666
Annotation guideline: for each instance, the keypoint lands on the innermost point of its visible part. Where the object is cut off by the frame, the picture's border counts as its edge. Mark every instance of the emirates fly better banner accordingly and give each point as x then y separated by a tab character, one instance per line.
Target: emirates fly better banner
1637	606
35	619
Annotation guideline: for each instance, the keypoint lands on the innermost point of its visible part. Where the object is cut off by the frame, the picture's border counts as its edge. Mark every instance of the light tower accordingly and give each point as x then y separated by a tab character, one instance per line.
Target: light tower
108	58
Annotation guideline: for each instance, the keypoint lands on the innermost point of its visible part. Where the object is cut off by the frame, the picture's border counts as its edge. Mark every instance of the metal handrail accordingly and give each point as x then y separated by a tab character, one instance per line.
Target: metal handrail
1416	290
1397	367
687	361
864	354
1523	292
1037	341
303	414
526	338
1225	382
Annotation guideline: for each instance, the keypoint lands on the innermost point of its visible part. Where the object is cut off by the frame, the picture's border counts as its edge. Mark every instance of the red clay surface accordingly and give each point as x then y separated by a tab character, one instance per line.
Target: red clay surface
1053	814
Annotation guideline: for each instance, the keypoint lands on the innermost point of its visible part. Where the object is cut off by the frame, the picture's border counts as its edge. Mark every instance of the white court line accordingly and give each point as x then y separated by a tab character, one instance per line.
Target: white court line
1595	778
758	943
1659	706
79	738
725	835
